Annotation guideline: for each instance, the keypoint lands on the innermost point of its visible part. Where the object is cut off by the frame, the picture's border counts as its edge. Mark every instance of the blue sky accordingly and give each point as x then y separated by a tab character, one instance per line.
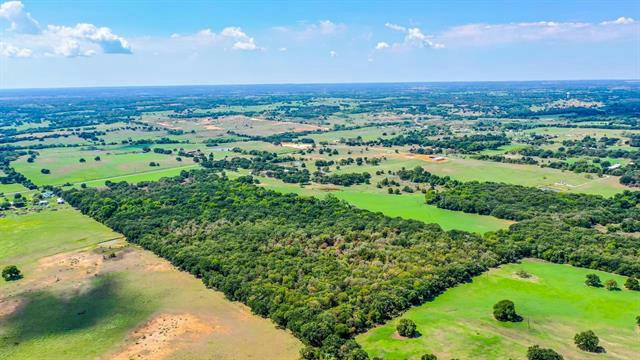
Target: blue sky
113	43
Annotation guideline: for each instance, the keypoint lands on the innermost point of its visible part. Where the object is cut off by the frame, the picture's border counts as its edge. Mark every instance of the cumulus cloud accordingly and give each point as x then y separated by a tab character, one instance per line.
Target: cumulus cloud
243	41
20	20
58	40
414	37
492	34
238	38
101	36
619	21
333	53
9	50
381	45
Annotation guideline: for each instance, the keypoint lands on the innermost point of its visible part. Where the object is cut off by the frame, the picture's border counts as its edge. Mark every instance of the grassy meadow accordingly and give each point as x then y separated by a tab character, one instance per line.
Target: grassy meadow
65	165
76	301
555	304
408	206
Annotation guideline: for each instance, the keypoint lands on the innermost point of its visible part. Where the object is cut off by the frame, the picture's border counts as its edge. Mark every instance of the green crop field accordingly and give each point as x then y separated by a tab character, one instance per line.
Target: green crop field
555	304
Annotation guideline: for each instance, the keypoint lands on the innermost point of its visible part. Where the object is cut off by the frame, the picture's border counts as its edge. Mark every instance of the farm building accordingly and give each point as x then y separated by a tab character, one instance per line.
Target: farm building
60	201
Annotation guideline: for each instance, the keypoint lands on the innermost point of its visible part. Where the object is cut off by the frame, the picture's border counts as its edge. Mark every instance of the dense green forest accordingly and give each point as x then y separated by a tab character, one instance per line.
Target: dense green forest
322	268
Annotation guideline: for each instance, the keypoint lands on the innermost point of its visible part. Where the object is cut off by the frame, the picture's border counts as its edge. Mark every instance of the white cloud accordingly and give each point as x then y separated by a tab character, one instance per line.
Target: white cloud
619	21
231	35
333	53
101	36
282	49
9	50
414	37
490	34
244	42
59	40
396	27
70	48
381	45
20	20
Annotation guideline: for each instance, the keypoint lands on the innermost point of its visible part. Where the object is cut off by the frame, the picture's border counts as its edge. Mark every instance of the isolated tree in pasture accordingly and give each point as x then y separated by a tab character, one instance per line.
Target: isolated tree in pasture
45	171
11	273
587	341
611	285
593	280
632	284
535	352
505	310
406	328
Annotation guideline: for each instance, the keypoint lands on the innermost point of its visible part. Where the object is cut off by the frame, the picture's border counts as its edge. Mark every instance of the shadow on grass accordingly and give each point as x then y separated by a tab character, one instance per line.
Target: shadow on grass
48	314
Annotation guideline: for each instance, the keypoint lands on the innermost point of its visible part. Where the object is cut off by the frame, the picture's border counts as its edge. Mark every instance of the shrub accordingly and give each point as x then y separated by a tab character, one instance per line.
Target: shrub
428	357
406	328
611	285
593	280
45	171
535	352
505	310
523	274
11	273
587	341
632	284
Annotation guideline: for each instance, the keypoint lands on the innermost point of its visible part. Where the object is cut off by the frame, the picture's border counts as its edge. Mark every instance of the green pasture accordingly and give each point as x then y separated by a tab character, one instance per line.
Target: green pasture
555	304
37	234
65	165
408	206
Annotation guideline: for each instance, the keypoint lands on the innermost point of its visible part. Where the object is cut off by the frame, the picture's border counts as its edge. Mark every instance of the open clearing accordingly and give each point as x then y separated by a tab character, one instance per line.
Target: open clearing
85	296
408	206
555	305
465	169
65	165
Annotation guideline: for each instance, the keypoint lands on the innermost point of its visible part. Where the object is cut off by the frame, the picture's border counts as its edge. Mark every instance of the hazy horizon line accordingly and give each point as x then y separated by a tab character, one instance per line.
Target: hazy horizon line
317	83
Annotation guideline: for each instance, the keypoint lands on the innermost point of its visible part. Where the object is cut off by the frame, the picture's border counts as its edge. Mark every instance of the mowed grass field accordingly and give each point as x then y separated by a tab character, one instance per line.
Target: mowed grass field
77	301
408	206
65	165
555	304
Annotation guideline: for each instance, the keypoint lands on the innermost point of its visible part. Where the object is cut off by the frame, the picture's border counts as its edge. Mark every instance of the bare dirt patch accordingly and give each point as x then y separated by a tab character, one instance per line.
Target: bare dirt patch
9	306
163	335
430	158
296	146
